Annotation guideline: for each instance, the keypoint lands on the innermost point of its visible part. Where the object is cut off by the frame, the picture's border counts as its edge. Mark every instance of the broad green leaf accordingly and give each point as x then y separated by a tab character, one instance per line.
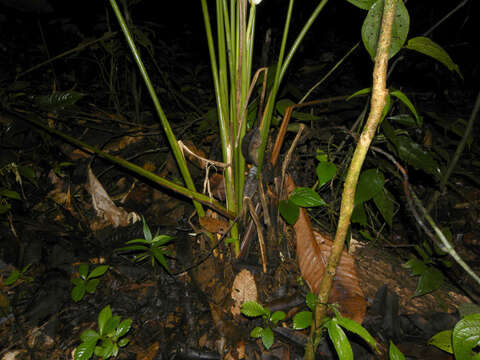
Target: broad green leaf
99	351
277	316
429	281
415	155
91	285
417	266
289	211
108	347
384	202
359	216
339	340
394	353
359	92
115	350
103	317
111	325
98	271
443	341
306	197
325	172
426	46
256	332
252	309
78	282
78	292
267	338
28	173
371	28
146	230
10	194
282	105
84	351
83	270
311	299
123	328
302	320
369	184
358	329
89	335
403	98
466	336
123	342
362	4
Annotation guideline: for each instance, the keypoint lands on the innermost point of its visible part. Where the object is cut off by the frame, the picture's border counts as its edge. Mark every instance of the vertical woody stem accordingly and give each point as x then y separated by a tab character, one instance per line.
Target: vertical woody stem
379	94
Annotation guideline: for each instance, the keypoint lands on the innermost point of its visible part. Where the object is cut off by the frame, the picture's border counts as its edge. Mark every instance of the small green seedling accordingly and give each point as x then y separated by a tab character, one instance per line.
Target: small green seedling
110	336
87	282
334	326
16	275
149	247
254	309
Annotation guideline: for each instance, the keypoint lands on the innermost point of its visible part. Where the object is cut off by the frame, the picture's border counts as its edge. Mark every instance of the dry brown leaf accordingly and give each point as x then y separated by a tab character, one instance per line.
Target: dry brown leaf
213	225
312	260
105	207
244	289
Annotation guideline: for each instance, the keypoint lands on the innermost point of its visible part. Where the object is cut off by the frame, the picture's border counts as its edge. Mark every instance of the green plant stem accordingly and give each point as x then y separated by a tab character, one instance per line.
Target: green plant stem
164	121
132	167
221	97
379	94
281	69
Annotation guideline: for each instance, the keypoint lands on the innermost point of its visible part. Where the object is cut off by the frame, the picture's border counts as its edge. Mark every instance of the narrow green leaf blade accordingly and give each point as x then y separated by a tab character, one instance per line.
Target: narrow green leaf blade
394	353
358	329
339	340
428	47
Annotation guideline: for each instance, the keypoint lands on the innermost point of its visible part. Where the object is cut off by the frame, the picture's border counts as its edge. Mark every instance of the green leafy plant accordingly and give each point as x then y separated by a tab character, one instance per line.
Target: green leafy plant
87	281
428	266
105	342
334	327
16	275
464	339
152	248
254	309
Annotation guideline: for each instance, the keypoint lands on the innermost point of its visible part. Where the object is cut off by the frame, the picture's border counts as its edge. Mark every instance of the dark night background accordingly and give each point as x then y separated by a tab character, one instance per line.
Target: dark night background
66	23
